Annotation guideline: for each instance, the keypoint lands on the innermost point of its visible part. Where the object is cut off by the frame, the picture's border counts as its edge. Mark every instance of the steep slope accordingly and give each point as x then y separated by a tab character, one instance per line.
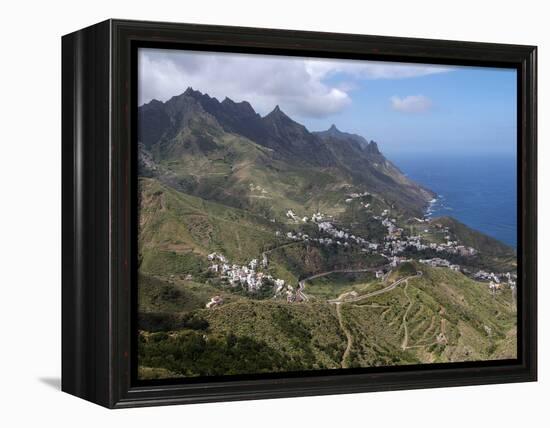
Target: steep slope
441	316
293	141
177	231
333	133
365	162
218	151
473	238
175	228
326	213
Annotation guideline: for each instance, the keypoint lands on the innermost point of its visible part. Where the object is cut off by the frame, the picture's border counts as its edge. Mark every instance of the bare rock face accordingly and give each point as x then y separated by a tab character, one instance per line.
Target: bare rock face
196	125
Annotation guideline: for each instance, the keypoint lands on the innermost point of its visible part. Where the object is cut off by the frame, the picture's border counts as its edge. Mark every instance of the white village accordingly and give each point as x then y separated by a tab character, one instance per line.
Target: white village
253	275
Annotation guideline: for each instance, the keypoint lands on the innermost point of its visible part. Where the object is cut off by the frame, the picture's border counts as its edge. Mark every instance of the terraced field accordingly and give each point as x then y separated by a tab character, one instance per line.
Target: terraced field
264	247
438	316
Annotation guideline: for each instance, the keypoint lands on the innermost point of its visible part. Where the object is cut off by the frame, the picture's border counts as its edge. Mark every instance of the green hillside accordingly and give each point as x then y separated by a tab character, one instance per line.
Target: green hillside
270	165
447	316
264	247
177	230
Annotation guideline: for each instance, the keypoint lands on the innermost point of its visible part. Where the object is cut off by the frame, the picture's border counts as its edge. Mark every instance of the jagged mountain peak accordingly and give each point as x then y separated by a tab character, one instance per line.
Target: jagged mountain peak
244	108
191	92
334	131
372	148
276	112
196	123
198	95
153	102
279	119
227	112
335	135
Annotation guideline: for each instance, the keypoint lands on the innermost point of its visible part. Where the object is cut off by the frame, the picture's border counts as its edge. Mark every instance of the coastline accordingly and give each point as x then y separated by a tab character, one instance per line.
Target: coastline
479	191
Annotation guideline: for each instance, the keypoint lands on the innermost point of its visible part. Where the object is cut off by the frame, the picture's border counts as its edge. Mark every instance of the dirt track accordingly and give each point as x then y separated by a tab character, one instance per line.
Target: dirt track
341	300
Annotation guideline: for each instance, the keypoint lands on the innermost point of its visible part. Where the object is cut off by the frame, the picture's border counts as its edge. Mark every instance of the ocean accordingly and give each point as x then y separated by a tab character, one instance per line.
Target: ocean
478	190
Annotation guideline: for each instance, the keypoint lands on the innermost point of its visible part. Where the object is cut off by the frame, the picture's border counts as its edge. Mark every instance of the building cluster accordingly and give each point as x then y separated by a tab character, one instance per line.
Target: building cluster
298	236
453	247
420	220
393	230
315	217
293	296
341	237
353	196
214	301
257	188
438	262
291	215
395	261
335	235
511	278
249	276
252	277
497	281
494	286
487	276
395	242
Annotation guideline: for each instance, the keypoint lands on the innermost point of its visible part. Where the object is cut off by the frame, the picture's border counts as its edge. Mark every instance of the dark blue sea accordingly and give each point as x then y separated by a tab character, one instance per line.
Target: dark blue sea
478	190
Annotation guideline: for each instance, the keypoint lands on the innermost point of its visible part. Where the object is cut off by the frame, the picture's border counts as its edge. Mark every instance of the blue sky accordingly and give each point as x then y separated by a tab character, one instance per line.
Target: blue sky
406	108
469	109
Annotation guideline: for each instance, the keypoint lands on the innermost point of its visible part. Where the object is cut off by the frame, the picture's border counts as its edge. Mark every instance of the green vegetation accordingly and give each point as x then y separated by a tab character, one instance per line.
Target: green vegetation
217	178
188	353
307	334
177	231
333	285
246	337
449	318
472	238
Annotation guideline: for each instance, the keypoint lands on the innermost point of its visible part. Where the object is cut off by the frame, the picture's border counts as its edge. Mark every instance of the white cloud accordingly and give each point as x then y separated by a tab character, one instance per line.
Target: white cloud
300	86
373	69
411	103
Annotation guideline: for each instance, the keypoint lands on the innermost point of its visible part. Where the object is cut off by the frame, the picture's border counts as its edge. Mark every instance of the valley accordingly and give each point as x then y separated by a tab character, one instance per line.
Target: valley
265	248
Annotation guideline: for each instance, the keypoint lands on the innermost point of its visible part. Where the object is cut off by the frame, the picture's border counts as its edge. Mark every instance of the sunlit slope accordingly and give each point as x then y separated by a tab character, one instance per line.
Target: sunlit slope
440	316
265	165
177	230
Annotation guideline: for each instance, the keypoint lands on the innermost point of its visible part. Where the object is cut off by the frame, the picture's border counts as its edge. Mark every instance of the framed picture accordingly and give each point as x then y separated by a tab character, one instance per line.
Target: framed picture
253	213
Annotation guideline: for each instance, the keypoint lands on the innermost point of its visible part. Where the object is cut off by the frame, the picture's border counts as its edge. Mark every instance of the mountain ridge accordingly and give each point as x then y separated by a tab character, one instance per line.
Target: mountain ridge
264	247
195	125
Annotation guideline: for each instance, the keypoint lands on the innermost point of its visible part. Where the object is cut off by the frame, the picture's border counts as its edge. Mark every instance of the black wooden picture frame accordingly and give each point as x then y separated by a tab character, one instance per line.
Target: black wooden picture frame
99	203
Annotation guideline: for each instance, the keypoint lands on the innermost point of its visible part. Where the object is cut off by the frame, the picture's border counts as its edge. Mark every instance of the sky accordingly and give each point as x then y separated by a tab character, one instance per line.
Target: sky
406	108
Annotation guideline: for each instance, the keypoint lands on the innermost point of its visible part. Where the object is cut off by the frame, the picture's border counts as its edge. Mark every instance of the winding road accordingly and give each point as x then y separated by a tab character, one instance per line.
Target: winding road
302	283
390	287
344	362
405	343
342	299
287	244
